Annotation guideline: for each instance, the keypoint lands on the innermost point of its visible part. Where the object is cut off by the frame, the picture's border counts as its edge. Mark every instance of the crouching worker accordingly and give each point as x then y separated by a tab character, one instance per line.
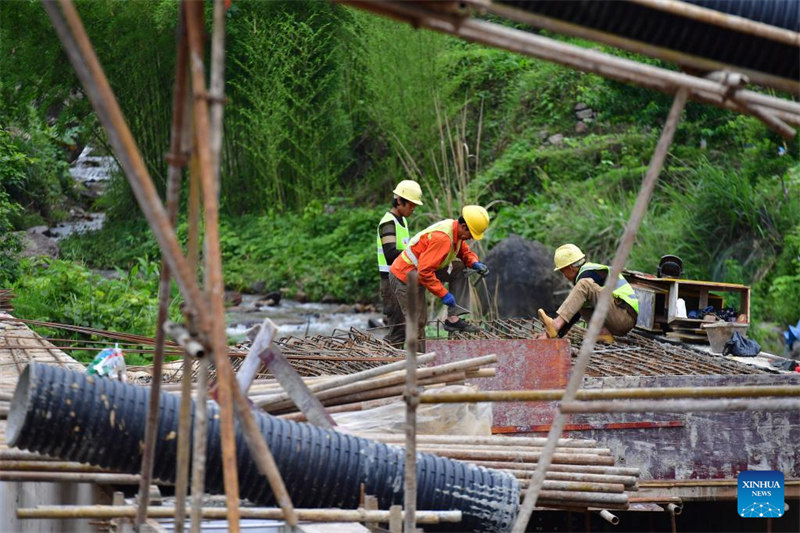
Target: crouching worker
589	279
431	253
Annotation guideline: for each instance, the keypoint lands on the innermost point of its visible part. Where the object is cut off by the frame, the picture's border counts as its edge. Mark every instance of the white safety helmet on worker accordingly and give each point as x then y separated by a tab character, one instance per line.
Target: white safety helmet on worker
566	255
477	219
409	190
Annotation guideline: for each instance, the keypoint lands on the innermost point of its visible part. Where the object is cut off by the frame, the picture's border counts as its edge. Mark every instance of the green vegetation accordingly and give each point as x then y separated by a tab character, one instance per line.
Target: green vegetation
329	107
68	293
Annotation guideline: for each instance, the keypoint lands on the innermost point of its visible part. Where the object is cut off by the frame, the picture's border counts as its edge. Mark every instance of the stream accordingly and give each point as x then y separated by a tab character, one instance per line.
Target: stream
295	319
291	317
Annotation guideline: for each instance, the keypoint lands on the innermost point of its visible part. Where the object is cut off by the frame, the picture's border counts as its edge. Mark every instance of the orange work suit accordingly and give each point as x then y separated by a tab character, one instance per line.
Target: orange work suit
431	253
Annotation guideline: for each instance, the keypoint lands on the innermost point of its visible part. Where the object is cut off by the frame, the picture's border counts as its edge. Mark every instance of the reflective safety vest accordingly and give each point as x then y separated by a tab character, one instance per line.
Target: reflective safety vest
445	226
623	290
400	229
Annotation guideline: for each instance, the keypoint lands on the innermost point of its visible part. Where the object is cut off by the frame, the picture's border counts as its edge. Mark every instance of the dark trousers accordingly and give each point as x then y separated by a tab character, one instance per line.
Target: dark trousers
394	318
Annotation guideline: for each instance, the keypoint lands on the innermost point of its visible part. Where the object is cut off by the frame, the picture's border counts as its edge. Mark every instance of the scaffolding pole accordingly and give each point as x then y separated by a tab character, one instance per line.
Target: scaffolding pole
177	161
411	395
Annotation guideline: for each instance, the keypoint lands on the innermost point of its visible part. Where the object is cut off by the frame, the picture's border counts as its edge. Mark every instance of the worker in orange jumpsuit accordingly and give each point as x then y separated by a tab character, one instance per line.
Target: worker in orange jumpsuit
431	252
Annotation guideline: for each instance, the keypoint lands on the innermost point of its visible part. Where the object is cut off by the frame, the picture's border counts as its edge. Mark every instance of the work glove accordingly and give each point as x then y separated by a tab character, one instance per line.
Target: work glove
449	300
480	268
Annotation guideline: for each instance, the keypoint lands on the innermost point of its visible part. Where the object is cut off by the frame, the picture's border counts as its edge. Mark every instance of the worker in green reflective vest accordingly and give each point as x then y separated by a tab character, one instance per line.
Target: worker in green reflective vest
393	236
589	279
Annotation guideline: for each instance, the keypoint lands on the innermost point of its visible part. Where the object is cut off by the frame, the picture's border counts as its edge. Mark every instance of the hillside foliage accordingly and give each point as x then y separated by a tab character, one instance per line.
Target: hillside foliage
329	107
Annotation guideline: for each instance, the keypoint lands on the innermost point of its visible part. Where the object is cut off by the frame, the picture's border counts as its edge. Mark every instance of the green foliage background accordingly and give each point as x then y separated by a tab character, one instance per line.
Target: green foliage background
329	107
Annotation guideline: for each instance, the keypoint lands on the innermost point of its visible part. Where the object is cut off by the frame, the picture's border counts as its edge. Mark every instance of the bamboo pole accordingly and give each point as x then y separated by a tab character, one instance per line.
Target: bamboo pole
213	268
483	440
310	515
353	378
48	466
579	486
200	432
603	305
177	162
564	497
582	59
19	455
660	52
396	390
755	391
679	406
99	478
387	381
511	455
217	87
200	435
411	397
505	449
565	468
629	482
724	20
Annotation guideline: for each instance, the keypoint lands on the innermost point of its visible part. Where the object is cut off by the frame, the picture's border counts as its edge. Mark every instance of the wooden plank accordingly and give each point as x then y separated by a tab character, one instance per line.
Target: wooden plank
687	336
672	302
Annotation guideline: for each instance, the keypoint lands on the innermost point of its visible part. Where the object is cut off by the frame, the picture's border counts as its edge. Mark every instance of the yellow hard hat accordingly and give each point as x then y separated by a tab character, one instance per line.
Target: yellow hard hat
477	219
410	190
567	254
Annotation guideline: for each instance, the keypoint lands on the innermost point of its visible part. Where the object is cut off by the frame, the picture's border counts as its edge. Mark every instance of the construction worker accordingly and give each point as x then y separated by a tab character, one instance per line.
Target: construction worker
589	279
433	253
393	238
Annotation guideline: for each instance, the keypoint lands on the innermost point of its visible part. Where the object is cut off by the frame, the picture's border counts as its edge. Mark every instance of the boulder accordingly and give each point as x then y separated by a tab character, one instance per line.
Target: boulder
36	242
521	279
233	298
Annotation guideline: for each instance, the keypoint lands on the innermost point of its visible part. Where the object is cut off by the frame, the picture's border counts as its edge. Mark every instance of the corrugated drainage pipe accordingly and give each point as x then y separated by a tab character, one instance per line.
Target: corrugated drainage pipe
77	417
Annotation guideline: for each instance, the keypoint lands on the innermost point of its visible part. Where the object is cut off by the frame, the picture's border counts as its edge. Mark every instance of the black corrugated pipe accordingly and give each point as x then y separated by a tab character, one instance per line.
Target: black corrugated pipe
696	37
77	417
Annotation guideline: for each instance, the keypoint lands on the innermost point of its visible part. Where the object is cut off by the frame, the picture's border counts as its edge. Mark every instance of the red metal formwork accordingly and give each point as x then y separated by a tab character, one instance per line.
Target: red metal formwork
521	364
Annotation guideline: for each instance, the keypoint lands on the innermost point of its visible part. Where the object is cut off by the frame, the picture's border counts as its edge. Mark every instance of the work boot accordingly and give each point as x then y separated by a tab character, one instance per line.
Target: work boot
461	326
605	338
549	328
